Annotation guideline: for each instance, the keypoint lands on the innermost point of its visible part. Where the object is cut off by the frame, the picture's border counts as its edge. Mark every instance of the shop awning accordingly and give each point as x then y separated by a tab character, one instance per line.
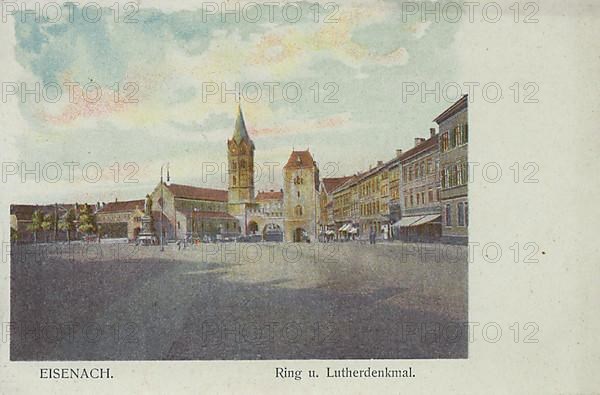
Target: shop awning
426	219
353	231
345	228
407	221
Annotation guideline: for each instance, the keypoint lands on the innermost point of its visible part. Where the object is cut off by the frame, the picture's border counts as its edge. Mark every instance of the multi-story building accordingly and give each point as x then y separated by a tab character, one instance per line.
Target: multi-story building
453	144
346	209
326	222
266	217
120	219
191	211
420	191
300	202
373	196
394	169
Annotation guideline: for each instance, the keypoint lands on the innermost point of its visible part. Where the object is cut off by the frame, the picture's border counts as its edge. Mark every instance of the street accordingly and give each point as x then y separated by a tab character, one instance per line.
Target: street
238	301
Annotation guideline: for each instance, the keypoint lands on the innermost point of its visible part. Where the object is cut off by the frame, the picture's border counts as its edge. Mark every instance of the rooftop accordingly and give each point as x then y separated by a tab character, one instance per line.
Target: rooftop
300	160
197	193
124	206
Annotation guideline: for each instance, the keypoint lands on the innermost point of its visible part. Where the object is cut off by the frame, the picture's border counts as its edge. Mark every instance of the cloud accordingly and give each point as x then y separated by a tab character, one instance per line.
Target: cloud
329	123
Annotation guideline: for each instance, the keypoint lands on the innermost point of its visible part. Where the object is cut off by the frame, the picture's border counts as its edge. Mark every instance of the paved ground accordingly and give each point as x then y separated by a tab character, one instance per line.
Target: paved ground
238	301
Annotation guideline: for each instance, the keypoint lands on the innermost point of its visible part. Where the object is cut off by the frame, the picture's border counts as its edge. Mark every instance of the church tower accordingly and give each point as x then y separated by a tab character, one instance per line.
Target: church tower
240	165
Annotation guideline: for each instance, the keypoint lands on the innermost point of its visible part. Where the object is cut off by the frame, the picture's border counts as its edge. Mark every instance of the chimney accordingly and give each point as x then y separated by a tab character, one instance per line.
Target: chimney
418	140
398	153
379	162
431	132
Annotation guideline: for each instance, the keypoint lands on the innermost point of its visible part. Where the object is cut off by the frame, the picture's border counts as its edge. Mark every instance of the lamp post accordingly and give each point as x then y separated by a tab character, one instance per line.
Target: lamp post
162	202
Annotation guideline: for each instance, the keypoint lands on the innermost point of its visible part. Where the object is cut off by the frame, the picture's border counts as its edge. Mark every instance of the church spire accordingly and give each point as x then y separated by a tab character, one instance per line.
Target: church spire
240	133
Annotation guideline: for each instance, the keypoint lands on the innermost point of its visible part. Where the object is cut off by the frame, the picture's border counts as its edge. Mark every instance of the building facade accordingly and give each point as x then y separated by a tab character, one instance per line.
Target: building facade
326	222
189	211
120	219
266	217
394	170
373	197
346	209
453	147
420	191
300	201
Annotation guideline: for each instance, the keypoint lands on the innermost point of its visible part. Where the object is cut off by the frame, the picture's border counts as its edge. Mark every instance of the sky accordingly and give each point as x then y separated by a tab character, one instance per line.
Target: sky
162	73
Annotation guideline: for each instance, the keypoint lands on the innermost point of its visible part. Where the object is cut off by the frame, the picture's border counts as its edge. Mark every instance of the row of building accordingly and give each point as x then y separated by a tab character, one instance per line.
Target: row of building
419	195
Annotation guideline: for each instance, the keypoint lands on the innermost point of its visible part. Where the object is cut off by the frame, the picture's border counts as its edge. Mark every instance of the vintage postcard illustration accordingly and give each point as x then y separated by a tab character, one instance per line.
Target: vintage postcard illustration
243	181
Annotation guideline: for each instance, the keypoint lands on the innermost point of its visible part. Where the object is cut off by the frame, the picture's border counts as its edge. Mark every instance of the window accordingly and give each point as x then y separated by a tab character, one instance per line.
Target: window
466	214
444	142
429	166
430	195
298	194
422	169
233	165
418	198
242	164
448	216
461	134
411	200
405	201
437	194
459	174
461	214
443	178
234	181
298	211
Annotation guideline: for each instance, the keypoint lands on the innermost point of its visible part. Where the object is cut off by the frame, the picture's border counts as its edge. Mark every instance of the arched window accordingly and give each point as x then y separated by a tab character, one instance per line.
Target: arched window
298	211
242	164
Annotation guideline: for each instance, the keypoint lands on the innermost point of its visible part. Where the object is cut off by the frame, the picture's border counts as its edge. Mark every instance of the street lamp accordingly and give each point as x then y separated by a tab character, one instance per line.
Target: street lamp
162	205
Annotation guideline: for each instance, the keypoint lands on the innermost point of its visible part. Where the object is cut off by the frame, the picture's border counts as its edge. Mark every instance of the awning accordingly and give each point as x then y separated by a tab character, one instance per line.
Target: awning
330	232
353	231
345	228
426	219
407	221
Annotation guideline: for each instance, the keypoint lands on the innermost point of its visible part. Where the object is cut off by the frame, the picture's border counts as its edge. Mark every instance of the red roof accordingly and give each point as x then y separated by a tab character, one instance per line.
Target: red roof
333	183
197	193
209	214
432	142
25	211
124	206
300	160
271	195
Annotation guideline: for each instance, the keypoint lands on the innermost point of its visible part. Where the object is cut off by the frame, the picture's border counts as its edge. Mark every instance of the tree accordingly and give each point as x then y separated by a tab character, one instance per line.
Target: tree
14	235
87	220
67	223
49	223
37	219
